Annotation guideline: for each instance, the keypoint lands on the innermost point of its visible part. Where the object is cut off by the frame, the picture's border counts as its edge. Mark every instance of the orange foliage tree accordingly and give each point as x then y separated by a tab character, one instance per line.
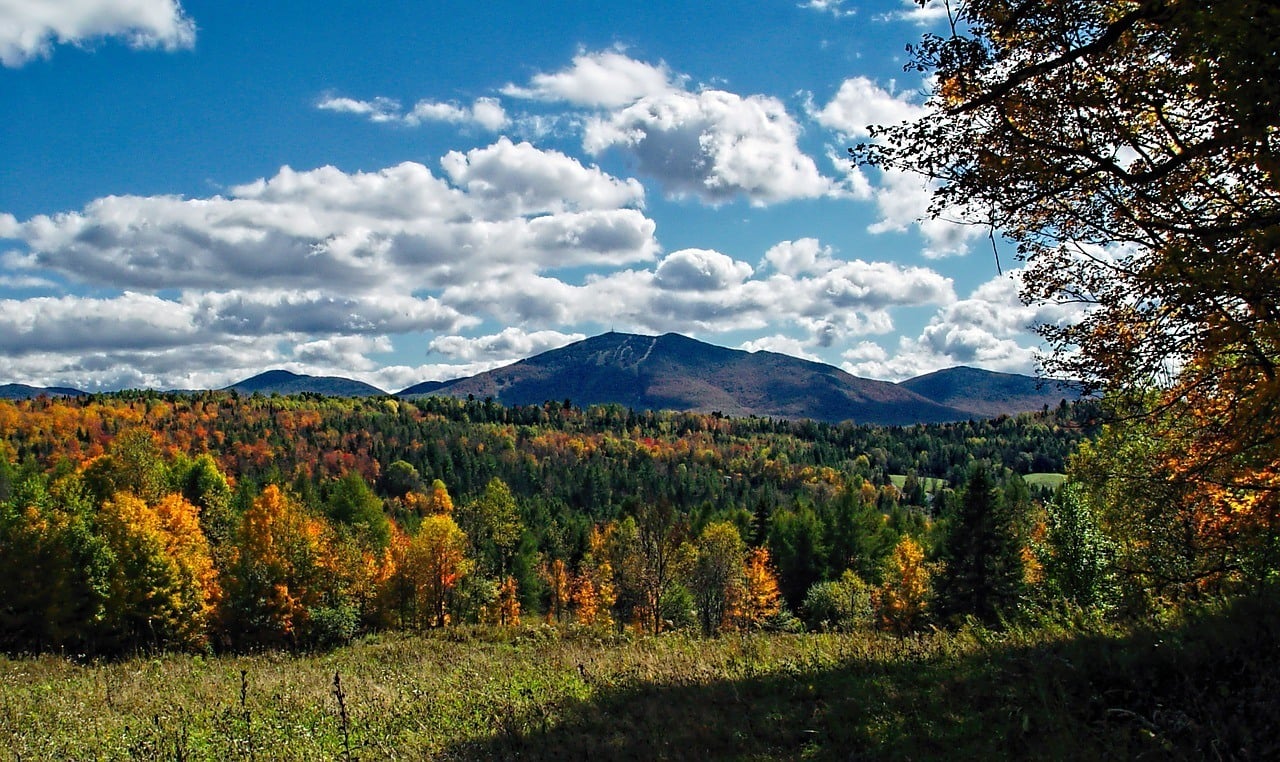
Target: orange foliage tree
279	575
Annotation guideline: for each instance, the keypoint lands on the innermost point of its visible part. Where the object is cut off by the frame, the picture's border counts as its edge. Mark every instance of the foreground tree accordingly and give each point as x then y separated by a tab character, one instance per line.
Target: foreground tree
1129	148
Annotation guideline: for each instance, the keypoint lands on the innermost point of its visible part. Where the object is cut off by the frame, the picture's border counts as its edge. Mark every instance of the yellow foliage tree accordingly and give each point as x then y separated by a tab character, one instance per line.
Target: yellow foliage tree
433	563
904	596
761	598
162	586
279	574
559	588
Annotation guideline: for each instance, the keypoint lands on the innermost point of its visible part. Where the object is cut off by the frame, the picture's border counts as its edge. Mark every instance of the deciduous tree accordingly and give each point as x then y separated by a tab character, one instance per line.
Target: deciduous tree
1129	148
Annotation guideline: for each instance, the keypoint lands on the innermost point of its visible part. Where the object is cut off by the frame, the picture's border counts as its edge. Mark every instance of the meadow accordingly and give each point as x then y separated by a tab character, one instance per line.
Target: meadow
1064	688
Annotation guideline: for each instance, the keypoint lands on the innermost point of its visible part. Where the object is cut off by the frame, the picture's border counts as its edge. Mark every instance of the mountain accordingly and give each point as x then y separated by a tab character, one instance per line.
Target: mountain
284	382
986	393
24	392
678	373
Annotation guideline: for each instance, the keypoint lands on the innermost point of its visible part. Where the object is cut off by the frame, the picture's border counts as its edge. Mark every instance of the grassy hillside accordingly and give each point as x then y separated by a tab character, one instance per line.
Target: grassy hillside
1205	688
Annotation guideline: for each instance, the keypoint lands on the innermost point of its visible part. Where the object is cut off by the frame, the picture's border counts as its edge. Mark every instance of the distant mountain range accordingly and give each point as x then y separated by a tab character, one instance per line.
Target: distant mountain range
24	392
678	373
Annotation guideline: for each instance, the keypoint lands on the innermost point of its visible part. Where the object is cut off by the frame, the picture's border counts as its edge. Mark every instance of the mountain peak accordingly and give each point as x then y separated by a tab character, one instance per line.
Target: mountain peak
676	372
281	381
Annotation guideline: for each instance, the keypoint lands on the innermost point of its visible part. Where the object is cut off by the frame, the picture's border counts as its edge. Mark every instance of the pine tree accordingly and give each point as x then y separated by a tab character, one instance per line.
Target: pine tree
983	574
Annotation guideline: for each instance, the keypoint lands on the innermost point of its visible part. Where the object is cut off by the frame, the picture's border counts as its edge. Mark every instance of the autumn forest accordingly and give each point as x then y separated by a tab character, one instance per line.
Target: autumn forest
219	521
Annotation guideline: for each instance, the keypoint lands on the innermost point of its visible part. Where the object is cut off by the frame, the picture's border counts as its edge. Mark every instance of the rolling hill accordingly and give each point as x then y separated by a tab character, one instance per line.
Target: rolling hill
986	393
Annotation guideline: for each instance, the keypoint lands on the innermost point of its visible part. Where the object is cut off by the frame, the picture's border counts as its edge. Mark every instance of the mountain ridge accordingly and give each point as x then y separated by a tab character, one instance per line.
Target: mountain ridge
672	371
288	382
24	391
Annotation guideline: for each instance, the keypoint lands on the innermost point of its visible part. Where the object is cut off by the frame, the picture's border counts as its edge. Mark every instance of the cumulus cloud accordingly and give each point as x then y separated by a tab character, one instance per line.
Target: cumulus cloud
707	144
860	103
901	198
524	180
29	30
508	345
801	257
325	229
710	292
486	113
606	79
699	270
147	321
990	329
713	145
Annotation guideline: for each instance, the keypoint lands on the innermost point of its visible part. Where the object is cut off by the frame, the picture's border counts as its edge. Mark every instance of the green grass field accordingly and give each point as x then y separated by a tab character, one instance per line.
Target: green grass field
1050	480
1207	688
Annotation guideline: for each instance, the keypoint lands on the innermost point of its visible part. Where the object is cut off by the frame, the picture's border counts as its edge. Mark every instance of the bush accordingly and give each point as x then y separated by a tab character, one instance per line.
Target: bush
843	604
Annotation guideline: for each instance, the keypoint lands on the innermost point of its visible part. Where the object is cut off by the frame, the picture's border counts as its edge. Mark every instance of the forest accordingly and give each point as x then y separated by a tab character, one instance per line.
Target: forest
140	520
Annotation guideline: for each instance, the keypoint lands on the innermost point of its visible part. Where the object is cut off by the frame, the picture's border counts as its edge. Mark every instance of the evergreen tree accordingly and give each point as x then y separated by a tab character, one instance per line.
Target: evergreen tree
983	574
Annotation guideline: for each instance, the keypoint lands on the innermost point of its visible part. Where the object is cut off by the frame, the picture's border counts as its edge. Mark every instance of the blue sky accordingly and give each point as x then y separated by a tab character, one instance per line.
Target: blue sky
192	193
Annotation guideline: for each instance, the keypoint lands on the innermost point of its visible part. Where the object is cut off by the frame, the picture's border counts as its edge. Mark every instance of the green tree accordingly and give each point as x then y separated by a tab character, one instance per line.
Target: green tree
353	504
982	553
54	572
493	523
716	577
1077	556
797	544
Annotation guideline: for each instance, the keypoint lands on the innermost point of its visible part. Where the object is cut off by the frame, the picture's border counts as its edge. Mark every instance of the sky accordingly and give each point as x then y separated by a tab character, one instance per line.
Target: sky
192	193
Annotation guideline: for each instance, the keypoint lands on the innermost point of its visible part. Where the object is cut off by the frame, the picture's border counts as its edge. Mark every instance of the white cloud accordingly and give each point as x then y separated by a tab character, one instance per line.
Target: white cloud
802	257
713	145
699	270
782	345
524	180
326	229
990	329
606	79
709	292
486	113
30	28
901	198
377	110
73	324
349	353
928	14
860	103
507	346
834	7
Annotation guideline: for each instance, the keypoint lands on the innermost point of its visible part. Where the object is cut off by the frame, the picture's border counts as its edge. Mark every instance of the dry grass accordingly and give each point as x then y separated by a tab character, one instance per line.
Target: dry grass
1192	690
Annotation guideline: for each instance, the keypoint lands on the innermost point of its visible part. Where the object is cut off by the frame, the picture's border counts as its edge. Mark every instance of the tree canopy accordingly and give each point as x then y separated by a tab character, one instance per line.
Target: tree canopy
1131	150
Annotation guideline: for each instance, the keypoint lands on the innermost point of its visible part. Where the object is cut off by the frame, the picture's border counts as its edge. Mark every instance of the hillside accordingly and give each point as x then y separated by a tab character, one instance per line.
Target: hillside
285	382
678	373
986	393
